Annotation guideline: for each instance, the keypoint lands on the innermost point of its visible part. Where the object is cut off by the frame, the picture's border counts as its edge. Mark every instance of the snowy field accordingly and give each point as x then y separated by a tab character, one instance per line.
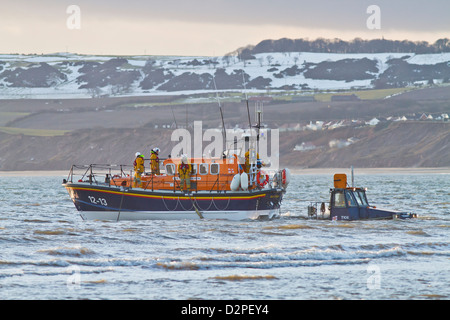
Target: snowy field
264	65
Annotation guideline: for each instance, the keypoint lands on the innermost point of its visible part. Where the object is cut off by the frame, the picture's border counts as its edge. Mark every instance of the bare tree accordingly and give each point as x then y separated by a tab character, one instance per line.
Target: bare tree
226	60
261	61
94	92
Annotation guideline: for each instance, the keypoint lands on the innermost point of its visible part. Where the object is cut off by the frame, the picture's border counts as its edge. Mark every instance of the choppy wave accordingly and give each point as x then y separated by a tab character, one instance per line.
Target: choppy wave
44	242
238	277
68	251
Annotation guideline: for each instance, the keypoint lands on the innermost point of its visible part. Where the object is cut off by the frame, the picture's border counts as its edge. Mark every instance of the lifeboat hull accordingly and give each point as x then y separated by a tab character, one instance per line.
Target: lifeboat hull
115	203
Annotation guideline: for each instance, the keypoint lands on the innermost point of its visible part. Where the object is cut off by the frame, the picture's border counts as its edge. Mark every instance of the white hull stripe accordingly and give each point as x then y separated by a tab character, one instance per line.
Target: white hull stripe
178	215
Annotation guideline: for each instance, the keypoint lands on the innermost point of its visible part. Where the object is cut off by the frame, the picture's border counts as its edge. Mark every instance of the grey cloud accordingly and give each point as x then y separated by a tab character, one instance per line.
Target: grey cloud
423	15
411	15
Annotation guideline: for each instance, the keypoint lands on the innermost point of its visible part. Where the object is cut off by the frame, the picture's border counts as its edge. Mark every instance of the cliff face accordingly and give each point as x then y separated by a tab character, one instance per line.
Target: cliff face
410	144
53	134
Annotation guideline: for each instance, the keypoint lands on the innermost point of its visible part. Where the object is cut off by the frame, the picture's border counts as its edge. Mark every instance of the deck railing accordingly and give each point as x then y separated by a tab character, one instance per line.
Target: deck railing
105	174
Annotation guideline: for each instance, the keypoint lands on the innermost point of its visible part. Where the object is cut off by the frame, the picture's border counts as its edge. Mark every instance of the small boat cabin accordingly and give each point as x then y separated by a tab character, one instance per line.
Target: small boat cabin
350	203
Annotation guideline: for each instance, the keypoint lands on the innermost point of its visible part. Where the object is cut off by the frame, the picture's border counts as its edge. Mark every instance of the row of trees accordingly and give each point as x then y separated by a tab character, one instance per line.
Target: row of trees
357	45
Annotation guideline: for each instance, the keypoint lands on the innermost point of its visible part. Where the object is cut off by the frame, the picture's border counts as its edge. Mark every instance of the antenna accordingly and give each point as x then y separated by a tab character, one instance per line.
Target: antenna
174	119
221	115
246	99
258	115
353	181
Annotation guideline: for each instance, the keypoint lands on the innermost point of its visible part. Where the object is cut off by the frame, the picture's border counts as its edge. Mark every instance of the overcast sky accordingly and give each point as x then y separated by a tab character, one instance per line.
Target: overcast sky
206	27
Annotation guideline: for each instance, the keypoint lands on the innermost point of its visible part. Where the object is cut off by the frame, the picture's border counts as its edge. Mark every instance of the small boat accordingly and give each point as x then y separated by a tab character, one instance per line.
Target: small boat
350	203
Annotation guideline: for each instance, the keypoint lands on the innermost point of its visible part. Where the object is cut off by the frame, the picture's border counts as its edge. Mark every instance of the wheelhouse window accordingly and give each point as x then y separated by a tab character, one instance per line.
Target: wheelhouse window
170	169
194	169
203	168
214	168
339	199
351	202
360	196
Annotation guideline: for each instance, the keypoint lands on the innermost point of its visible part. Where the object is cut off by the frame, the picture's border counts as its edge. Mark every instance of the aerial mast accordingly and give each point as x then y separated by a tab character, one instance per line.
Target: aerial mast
221	115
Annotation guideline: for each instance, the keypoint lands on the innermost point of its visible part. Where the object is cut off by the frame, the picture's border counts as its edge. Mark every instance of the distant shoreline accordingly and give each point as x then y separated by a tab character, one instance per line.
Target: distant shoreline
369	171
296	171
37	173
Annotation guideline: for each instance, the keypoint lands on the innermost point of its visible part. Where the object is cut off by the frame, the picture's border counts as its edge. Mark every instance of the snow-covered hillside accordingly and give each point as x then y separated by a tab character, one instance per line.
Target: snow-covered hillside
66	75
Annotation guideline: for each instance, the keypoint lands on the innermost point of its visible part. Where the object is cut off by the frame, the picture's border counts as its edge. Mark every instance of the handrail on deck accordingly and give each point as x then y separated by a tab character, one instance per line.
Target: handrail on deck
92	171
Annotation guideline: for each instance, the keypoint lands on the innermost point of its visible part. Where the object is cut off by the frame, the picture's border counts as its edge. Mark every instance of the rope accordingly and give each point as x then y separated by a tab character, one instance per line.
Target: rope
164	202
196	210
121	200
184	207
192	201
210	204
226	207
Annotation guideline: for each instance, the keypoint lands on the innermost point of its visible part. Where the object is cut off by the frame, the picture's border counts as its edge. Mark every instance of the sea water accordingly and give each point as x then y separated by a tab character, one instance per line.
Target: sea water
48	252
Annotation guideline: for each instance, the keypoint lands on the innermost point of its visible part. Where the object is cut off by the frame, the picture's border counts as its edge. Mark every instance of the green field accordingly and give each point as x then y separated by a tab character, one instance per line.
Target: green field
33	132
373	94
6	117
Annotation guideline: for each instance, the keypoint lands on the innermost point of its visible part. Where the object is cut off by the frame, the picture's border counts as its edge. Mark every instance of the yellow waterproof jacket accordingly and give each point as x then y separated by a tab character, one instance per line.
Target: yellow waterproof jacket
184	170
139	164
154	163
247	161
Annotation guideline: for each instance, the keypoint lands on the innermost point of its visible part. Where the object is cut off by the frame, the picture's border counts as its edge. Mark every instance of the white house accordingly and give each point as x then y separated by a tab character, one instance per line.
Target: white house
315	126
305	146
373	122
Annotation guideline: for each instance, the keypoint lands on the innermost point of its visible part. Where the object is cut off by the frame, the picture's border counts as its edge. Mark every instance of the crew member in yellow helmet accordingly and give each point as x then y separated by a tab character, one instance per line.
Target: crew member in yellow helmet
154	161
184	172
246	166
138	169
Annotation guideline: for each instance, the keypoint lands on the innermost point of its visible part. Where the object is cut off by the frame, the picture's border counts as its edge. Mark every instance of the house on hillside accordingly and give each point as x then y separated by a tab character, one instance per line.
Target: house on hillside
342	143
318	125
290	127
338	143
400	119
373	122
330	125
305	146
358	123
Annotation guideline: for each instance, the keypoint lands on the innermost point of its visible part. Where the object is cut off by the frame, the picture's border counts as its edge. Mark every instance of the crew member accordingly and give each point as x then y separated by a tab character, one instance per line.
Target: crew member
154	161
184	172
247	164
138	169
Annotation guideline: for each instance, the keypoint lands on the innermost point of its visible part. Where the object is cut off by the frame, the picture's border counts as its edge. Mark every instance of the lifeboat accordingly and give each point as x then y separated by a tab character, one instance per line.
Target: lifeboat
235	186
219	189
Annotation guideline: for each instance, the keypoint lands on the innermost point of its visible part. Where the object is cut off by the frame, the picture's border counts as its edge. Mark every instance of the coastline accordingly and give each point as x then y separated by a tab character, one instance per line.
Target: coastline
295	171
37	173
370	171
